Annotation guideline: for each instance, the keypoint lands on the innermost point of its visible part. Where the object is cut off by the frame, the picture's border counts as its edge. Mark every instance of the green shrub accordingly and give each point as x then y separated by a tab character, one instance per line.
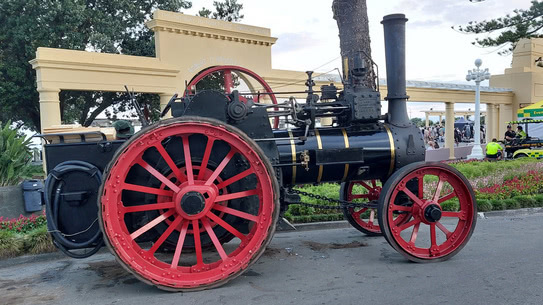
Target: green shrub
15	156
10	244
525	201
484	205
451	205
538	200
38	241
511	204
497	204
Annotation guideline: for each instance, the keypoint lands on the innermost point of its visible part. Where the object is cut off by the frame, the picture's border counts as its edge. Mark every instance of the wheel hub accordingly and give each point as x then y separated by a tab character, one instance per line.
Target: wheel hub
432	213
193	203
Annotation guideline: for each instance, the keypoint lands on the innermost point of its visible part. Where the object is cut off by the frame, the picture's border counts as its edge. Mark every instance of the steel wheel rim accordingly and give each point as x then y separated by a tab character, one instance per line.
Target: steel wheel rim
143	262
454	239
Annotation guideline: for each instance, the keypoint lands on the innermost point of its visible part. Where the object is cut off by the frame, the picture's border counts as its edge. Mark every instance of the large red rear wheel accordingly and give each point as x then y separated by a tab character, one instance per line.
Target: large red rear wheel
181	182
443	208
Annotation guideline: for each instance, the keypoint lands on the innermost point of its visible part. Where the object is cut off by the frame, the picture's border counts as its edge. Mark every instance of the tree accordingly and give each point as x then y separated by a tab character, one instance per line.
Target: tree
95	25
354	36
510	29
228	10
417	122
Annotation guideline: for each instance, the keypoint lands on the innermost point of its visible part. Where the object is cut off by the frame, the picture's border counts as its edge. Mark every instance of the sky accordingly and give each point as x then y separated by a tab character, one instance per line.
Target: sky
308	36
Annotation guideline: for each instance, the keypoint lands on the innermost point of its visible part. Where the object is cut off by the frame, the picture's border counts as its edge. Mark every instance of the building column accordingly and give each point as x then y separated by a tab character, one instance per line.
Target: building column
489	122
495	125
440	119
427	120
449	128
49	107
164	99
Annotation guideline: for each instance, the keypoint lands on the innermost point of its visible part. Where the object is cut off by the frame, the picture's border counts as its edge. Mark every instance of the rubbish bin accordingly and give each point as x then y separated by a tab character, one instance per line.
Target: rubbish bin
32	193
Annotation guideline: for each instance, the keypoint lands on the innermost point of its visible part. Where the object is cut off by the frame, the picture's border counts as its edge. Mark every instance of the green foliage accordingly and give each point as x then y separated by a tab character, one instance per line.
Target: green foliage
228	10
452	205
526	201
486	169
497	204
10	245
511	204
15	156
509	29
484	205
98	25
539	200
38	241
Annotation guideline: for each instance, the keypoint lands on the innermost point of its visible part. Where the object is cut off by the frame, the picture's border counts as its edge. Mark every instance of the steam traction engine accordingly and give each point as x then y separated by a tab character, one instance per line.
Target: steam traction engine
191	202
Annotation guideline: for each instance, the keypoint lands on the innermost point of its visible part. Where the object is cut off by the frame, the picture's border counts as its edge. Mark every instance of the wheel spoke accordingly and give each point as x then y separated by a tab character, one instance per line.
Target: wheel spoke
433	235
451	214
235	178
197	243
178	174
359	212
226	226
401	218
443	229
412	196
364	184
396	207
228	83
414	234
447	197
409	224
147	207
179	247
421	186
438	190
373	183
214	239
158	175
372	216
145	189
165	235
237	195
205	160
221	166
236	212
152	223
188	160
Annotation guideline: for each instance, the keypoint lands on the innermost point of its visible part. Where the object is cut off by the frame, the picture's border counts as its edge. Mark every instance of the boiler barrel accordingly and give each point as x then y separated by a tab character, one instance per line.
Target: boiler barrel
336	154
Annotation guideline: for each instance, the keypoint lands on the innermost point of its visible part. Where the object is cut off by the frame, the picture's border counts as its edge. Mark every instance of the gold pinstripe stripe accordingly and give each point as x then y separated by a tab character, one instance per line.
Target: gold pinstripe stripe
293	153
319	146
392	150
346	140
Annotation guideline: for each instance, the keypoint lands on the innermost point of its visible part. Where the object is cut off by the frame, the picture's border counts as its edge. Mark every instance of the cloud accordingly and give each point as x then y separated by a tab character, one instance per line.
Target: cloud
289	42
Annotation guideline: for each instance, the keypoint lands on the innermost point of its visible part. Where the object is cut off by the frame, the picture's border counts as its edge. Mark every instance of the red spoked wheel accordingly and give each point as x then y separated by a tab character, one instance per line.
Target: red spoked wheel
443	208
228	79
362	219
179	183
365	219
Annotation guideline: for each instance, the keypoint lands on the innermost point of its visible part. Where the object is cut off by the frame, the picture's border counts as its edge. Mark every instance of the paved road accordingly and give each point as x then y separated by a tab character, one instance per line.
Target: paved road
502	264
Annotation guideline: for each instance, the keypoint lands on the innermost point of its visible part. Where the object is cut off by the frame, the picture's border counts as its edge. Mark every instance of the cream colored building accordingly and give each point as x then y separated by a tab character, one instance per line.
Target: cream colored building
186	45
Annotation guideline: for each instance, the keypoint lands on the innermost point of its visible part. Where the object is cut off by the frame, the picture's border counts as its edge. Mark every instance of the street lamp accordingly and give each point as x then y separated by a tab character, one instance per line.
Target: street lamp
478	75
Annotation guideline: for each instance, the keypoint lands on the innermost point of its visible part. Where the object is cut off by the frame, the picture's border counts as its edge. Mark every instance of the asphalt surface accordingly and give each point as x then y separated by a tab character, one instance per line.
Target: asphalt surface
502	264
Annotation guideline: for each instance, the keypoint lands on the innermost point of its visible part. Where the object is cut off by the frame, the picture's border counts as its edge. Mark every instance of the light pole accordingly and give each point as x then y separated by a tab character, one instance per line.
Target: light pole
478	75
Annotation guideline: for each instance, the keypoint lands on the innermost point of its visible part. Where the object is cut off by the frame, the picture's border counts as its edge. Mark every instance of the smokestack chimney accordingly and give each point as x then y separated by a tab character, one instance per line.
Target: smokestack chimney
394	29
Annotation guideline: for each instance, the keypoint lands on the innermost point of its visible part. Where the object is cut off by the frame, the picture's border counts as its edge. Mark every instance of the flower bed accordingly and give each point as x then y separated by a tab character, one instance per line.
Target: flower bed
24	235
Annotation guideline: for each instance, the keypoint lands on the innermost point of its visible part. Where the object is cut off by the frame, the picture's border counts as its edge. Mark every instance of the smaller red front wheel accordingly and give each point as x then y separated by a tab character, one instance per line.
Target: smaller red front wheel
442	206
362	219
